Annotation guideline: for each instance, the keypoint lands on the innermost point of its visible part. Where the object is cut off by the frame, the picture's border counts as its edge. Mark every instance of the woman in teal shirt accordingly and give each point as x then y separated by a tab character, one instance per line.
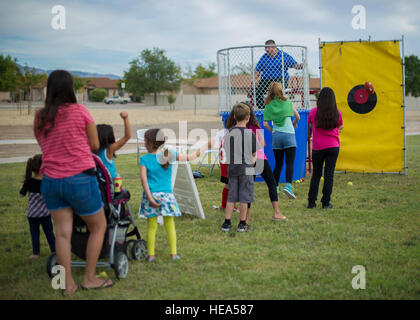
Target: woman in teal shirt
280	110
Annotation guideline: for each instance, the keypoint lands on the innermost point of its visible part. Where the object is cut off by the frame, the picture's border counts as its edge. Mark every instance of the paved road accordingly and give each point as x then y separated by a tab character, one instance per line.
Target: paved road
101	105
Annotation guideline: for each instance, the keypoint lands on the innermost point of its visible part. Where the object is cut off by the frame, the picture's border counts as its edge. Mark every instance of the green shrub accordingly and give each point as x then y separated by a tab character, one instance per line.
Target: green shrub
97	95
136	98
171	101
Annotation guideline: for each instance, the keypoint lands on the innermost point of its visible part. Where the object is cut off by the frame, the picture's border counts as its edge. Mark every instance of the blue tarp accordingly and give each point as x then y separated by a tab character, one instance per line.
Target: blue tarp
301	140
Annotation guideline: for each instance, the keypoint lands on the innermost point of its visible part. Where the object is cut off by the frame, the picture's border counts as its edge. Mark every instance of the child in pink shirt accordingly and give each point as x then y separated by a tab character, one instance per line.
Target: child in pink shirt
325	121
323	139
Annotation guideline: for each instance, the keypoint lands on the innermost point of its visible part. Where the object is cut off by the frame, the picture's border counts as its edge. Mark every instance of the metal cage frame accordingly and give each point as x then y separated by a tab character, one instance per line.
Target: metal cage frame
225	75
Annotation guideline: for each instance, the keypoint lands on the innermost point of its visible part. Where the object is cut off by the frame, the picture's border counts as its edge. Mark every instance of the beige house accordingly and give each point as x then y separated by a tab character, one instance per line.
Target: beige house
111	87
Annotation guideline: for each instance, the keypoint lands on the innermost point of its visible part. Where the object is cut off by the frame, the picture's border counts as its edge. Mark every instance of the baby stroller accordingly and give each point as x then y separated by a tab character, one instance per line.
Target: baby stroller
119	218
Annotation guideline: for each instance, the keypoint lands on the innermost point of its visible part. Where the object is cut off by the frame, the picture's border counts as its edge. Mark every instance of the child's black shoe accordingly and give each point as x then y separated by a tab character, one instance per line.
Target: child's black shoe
242	227
226	226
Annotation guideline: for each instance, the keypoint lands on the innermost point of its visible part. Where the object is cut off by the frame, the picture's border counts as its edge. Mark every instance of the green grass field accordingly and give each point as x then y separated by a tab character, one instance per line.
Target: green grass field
375	223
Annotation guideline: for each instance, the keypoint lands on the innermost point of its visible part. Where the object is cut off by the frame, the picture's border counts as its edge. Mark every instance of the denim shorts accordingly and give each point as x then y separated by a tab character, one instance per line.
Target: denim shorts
283	140
80	192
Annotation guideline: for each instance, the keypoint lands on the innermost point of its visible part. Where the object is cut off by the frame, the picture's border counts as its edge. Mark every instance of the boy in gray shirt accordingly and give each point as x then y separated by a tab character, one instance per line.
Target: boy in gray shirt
241	149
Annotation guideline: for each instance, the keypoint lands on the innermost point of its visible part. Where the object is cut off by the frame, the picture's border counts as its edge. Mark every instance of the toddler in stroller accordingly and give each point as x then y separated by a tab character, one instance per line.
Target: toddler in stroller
116	246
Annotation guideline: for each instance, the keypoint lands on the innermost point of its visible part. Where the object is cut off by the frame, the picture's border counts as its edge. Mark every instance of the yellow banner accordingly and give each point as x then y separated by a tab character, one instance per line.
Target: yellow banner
373	136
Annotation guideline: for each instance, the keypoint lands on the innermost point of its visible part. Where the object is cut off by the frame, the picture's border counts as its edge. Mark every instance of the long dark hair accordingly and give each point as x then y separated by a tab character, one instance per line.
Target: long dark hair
151	140
60	92
106	136
32	165
327	113
252	118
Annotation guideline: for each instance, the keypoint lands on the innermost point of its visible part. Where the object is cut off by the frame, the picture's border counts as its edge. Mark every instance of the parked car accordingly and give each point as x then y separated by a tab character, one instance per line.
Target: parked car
116	99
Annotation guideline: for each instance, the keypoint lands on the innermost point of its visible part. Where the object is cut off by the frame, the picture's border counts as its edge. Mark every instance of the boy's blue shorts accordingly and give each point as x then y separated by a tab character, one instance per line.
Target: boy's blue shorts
80	192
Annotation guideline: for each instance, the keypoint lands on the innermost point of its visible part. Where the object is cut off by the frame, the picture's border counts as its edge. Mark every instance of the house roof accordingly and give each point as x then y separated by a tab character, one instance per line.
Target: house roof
206	82
237	81
103	83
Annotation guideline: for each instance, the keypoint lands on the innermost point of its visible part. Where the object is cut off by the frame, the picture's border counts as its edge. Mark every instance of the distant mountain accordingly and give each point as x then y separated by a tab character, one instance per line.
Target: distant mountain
80	74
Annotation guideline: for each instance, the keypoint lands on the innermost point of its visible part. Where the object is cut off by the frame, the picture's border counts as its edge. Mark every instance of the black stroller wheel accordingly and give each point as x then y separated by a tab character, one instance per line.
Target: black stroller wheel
120	265
128	247
139	250
51	262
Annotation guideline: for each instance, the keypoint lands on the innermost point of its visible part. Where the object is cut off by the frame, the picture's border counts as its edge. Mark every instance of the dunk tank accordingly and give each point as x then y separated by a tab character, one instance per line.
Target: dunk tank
244	74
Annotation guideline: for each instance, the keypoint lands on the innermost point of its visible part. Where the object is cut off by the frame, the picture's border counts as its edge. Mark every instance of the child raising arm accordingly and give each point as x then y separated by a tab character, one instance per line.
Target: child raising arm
108	146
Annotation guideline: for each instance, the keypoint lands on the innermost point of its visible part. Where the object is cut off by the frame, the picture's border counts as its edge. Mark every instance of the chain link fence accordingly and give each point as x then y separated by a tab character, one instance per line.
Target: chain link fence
245	74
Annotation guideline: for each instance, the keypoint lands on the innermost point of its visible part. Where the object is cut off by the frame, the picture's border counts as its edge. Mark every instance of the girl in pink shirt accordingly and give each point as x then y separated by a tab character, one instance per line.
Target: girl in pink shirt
325	121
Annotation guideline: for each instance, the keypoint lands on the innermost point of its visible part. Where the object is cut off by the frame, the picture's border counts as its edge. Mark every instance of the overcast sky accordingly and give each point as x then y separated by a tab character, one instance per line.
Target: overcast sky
104	36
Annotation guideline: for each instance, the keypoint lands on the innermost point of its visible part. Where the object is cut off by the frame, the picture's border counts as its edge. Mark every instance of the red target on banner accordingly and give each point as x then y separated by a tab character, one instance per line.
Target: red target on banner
360	100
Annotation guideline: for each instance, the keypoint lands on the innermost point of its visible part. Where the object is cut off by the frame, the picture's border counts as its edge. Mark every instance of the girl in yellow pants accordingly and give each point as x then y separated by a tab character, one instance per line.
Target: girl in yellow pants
162	203
158	198
152	225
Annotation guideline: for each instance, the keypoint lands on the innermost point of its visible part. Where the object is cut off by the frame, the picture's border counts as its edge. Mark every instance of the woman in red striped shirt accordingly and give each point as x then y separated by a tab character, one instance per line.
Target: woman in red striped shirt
67	135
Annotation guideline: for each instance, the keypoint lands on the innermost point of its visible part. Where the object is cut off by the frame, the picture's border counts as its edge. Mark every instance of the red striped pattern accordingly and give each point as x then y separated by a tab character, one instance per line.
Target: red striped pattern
65	150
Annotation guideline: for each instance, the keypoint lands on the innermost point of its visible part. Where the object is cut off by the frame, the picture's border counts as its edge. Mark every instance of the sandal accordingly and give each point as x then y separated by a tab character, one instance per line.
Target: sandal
102	286
284	218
